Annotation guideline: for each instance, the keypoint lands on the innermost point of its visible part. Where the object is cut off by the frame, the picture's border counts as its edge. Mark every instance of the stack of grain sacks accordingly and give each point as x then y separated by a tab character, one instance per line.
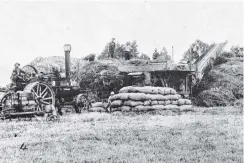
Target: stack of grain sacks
98	107
148	98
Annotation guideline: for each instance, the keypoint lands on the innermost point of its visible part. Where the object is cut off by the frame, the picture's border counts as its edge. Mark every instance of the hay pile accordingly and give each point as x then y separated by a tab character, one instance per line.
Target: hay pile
147	99
45	64
222	86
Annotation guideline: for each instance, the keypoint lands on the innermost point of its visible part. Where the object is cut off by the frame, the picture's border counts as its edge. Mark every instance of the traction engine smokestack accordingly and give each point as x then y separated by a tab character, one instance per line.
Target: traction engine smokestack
67	49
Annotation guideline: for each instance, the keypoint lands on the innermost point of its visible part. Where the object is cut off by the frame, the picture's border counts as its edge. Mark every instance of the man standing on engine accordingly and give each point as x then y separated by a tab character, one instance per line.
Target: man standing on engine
16	74
111	48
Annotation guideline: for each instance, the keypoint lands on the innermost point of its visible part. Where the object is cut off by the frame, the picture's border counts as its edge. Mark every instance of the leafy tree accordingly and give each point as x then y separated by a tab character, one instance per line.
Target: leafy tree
105	53
134	46
195	50
119	51
164	51
144	56
90	57
237	50
164	55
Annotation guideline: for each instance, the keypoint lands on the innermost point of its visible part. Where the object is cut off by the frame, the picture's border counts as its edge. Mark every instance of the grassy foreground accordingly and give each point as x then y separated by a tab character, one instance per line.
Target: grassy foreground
209	135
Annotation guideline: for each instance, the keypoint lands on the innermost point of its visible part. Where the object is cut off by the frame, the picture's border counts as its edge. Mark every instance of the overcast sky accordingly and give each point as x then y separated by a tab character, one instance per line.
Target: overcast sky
41	28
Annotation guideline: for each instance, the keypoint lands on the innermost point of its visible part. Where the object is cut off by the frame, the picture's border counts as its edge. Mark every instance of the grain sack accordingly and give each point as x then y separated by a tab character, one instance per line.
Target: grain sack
128	89
174	102
97	109
167	91
167	102
49	108
147	90
184	102
173	97
147	103
186	108
125	108
137	96
161	90
159	107
161	102
132	103
154	102
187	102
116	103
115	109
120	96
98	104
181	102
171	107
142	108
172	91
157	97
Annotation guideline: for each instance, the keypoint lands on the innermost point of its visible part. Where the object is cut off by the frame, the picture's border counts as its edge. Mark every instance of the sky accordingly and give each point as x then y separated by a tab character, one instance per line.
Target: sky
30	29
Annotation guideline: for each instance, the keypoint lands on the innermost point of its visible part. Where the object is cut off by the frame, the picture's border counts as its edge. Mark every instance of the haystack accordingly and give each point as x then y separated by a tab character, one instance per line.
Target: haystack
222	85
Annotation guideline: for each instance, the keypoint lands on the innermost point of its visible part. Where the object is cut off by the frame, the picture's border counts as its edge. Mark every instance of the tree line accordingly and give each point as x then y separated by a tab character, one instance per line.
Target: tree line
119	53
195	50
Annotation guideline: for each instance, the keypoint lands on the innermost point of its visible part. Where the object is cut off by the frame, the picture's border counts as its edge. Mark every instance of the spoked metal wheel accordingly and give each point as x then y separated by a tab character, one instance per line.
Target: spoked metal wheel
43	94
30	69
82	103
30	72
3	97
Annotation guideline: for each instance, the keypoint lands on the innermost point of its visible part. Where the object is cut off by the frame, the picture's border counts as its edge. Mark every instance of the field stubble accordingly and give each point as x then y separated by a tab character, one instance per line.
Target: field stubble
207	135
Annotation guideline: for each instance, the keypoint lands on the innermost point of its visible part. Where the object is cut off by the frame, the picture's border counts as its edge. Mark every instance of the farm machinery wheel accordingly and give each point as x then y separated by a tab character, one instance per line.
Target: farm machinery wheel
30	69
43	94
3	97
5	112
81	103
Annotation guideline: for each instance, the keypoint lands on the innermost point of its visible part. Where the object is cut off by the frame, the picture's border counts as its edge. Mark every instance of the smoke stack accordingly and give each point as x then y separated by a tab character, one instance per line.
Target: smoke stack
67	49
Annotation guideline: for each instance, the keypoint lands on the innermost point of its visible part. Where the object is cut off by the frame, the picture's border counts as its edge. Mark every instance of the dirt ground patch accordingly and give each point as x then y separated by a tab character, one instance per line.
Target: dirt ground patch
200	136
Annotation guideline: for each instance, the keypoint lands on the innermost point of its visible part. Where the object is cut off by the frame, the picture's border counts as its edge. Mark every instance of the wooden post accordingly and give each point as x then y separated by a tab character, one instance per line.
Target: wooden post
147	78
186	83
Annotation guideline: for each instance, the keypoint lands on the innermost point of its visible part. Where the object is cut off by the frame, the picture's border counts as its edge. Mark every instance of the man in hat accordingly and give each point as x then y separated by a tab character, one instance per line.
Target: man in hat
155	54
17	73
128	49
111	48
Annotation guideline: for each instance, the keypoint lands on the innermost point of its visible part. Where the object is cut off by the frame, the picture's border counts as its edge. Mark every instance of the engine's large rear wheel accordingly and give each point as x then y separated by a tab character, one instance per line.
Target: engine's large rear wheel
43	94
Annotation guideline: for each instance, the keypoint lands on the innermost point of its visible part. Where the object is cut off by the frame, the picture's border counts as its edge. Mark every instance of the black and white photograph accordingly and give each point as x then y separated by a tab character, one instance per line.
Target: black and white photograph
121	81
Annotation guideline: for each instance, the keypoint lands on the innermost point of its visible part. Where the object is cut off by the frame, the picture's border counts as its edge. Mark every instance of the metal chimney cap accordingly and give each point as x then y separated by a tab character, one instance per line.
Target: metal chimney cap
67	47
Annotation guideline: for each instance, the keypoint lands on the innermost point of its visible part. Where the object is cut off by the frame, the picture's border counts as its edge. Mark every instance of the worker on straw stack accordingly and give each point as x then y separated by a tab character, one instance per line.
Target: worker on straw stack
111	48
108	108
155	53
16	74
127	51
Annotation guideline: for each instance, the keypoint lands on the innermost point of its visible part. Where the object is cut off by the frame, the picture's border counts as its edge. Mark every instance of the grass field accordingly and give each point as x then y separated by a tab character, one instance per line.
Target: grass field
207	135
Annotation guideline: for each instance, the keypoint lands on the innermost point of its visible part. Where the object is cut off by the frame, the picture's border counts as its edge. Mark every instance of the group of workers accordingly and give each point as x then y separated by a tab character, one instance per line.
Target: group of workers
127	49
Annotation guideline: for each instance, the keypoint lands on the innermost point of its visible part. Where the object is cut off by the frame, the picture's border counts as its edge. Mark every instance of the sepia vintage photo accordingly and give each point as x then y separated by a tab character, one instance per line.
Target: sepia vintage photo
140	81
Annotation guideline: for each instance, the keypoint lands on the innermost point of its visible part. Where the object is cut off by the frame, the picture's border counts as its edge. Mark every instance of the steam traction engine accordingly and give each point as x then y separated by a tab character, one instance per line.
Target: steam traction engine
35	90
